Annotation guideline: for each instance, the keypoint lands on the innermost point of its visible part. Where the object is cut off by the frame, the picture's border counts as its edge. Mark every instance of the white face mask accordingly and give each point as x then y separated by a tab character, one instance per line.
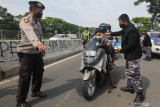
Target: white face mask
98	37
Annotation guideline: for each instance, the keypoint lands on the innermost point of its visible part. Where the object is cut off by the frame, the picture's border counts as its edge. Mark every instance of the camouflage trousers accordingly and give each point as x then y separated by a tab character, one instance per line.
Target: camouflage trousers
148	51
133	75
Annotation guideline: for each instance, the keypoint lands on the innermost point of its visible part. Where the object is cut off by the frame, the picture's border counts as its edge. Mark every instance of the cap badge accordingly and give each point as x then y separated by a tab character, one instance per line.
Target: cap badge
39	4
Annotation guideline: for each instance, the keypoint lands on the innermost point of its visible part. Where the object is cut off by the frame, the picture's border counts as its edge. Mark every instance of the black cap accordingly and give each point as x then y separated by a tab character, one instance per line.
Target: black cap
36	4
86	28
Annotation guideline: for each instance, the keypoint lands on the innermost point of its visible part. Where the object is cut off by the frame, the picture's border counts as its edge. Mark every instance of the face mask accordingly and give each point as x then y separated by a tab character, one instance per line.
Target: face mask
122	25
39	15
98	37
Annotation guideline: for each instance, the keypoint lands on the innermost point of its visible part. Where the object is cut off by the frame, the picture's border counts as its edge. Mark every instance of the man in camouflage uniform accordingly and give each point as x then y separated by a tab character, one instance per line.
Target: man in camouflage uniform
132	53
147	45
30	52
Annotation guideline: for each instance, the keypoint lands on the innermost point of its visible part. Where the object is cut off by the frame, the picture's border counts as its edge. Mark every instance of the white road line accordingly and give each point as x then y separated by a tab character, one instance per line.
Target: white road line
61	61
16	77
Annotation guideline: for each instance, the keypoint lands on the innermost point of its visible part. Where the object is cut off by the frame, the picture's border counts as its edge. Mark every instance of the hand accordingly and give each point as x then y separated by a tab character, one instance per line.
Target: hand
101	37
80	42
107	34
108	44
42	47
118	49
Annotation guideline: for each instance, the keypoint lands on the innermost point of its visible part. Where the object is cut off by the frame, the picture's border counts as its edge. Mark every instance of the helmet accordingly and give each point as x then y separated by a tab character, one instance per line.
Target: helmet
108	27
105	27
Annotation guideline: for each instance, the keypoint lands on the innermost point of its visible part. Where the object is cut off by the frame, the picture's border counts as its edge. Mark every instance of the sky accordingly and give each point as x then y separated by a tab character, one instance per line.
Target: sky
88	13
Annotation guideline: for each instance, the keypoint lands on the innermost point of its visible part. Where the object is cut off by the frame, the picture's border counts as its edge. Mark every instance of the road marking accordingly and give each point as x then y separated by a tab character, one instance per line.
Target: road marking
16	77
61	61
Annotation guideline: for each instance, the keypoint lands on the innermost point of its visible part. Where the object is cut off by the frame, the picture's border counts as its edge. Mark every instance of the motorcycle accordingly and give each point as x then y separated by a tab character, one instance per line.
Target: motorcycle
94	59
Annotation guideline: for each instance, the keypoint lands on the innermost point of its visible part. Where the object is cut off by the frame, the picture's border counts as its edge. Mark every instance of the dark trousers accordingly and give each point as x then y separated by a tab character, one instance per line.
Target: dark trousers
30	65
113	54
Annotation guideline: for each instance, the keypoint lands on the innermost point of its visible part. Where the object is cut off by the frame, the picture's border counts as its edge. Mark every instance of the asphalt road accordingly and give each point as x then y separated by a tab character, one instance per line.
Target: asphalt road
62	82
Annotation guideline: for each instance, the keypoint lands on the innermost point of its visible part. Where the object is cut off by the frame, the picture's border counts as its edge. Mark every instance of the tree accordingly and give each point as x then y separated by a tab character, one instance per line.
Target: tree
49	24
141	21
7	21
92	29
153	8
20	16
157	20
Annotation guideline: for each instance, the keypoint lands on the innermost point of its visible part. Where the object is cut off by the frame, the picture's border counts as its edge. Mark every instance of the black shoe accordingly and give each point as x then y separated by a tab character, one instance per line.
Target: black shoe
24	104
139	99
148	59
128	89
113	84
39	94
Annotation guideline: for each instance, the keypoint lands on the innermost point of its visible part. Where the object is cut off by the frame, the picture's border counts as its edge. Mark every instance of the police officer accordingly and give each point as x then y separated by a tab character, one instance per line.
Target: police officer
85	37
132	52
147	45
30	52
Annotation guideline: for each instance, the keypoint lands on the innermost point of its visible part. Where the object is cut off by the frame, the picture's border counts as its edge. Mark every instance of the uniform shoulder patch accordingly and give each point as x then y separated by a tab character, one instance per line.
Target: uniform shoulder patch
26	20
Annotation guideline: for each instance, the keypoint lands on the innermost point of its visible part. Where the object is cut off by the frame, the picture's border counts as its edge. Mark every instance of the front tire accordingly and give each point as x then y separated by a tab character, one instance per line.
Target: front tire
88	88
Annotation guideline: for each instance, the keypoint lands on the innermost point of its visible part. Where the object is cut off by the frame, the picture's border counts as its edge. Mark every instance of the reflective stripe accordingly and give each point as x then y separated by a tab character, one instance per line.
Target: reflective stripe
86	34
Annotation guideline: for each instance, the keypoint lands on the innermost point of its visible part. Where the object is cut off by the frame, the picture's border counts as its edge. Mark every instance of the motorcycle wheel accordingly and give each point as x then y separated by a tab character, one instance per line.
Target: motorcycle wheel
88	88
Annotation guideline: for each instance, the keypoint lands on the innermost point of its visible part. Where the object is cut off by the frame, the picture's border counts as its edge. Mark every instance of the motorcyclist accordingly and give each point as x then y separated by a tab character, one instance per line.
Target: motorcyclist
109	50
97	34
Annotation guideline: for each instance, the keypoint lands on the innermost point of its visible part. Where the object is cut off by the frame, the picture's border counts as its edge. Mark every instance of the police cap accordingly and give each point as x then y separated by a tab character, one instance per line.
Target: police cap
36	4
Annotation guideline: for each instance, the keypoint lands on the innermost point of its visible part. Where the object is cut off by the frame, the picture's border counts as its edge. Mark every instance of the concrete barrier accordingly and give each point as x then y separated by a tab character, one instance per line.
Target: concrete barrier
1	73
58	49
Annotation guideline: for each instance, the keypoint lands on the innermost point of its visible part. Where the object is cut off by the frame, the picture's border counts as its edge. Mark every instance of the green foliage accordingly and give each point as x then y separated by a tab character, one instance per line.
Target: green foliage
141	21
143	24
49	24
143	28
19	17
153	8
147	28
7	20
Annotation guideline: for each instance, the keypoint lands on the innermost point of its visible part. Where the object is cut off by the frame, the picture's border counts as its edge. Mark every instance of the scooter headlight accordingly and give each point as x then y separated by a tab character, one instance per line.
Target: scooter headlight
90	53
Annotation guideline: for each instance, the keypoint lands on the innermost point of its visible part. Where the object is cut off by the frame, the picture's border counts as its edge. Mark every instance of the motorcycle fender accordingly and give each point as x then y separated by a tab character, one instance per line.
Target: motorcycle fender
88	74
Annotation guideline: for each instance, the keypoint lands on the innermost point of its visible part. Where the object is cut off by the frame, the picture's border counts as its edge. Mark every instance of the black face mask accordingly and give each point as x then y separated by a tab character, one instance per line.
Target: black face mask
39	15
122	26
